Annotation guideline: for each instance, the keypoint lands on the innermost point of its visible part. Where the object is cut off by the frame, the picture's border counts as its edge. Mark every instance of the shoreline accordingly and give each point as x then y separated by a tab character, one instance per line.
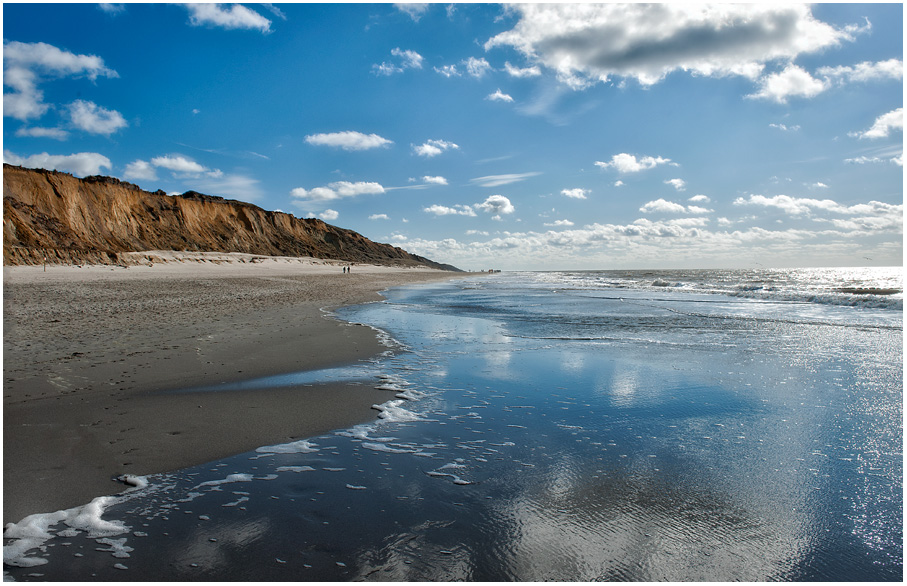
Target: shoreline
90	352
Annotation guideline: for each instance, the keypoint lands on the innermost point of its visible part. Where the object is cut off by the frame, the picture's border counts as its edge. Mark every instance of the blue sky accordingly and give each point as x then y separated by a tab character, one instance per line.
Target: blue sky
507	136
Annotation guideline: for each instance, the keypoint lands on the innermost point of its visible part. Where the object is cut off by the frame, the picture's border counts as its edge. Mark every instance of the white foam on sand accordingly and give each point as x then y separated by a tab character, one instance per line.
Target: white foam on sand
299	447
33	531
392	411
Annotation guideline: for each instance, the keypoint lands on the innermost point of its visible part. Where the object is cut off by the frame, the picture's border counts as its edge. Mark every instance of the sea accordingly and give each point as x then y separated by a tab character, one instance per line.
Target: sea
684	425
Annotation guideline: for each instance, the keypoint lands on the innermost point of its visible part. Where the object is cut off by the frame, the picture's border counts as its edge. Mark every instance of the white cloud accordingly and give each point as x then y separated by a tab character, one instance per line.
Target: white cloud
587	43
414	10
785	127
499	96
818	185
433	148
558	223
26	65
139	169
496	204
881	215
379	217
794	81
54	133
678	184
506	179
337	190
113	9
477	67
865	71
349	140
618	183
862	160
884	124
459	210
669	207
329	215
662	205
700	199
578	193
236	17
437	180
448	71
513	71
410	59
90	117
407	60
179	164
81	164
626	163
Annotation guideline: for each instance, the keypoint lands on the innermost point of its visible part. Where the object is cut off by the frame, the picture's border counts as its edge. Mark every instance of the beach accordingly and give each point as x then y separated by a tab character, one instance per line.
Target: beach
647	426
92	353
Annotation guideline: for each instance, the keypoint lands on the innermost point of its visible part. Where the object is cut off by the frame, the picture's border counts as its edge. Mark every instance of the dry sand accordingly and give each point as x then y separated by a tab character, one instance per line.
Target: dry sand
88	353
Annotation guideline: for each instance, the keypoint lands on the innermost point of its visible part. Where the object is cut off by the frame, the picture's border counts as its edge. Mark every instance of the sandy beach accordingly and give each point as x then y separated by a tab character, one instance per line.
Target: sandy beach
89	353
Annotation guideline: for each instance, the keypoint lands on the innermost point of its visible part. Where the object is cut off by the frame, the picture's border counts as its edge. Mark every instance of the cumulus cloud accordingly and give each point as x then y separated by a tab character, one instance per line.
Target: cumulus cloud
626	163
433	148
496	204
558	223
700	199
662	205
90	117
884	124
406	59
80	164
236	16
514	71
499	96
669	207
39	132
379	217
436	180
793	81
878	214
337	190
26	65
414	10
678	184
578	193
588	43
505	179
348	140
448	71
864	72
477	67
329	215
458	210
179	164
139	169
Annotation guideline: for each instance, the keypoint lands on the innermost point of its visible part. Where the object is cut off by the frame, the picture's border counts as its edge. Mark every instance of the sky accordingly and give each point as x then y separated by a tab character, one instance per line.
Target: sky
514	137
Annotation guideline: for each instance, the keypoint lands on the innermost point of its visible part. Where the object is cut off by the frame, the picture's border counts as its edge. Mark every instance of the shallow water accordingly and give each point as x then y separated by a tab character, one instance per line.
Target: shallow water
566	426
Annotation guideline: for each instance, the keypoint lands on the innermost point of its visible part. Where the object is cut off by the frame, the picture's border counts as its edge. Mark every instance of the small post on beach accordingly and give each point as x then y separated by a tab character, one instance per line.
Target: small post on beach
45	263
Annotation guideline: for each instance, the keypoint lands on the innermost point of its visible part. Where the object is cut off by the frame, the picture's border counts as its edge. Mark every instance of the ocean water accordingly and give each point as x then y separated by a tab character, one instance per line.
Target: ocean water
570	426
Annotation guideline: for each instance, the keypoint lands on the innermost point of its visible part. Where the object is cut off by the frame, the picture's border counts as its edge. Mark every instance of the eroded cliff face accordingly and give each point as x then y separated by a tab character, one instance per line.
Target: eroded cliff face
91	220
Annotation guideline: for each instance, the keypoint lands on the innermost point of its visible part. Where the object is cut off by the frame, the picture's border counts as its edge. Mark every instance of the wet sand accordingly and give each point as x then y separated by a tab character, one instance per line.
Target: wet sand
89	353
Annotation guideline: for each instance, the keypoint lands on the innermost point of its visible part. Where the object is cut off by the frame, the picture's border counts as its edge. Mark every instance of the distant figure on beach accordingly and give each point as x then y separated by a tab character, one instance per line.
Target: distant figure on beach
344	270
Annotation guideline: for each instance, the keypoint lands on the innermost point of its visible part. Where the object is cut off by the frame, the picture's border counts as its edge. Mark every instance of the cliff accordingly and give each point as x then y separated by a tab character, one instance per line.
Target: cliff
91	220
